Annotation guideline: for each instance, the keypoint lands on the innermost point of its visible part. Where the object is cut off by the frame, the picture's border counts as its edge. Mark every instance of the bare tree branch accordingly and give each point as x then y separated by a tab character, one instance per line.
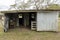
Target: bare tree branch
37	3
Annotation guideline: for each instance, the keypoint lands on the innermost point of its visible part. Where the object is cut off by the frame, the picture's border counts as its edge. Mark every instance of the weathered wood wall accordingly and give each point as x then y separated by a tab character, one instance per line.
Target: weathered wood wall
47	21
26	19
6	22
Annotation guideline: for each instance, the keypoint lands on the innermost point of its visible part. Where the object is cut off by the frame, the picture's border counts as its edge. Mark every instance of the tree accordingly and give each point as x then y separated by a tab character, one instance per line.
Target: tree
50	2
37	4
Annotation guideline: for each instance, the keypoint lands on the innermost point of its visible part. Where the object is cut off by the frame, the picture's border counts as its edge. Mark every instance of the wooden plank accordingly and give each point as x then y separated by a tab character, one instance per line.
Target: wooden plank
16	11
6	23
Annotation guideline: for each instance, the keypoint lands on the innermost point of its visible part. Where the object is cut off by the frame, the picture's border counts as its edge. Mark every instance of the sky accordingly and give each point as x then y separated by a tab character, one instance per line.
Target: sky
4	4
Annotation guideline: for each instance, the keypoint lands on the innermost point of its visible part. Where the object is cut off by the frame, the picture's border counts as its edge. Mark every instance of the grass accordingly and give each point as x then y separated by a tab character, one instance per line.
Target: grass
25	34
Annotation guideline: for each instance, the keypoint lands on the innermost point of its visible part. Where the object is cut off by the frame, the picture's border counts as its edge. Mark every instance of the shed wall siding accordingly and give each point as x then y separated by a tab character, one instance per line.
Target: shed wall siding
2	19
47	21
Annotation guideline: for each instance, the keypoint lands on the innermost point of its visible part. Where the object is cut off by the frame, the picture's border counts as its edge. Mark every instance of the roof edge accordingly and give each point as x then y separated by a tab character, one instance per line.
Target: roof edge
14	11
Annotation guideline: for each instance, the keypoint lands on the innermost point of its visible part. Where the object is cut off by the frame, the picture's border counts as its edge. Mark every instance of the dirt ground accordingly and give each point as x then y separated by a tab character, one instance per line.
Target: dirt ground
26	34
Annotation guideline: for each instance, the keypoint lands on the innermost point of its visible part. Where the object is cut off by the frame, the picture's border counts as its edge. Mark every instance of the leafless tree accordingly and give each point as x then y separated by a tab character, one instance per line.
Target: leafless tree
50	2
37	3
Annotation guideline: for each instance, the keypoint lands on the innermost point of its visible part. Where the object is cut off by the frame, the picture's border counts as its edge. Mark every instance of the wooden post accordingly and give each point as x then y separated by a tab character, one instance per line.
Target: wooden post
6	23
17	20
25	20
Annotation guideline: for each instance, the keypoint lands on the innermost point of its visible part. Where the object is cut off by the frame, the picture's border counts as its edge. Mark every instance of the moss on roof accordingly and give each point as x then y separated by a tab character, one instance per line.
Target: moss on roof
54	6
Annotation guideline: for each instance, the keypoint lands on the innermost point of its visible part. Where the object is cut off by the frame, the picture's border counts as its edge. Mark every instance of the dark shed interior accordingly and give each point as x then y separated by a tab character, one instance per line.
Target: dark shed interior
21	19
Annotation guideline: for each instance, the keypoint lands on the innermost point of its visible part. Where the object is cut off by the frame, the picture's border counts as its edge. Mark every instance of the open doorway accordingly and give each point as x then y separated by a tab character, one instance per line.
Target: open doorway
12	20
26	18
21	19
32	17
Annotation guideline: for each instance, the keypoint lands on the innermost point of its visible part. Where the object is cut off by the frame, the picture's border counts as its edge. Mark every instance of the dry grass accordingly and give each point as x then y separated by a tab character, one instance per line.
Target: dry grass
25	34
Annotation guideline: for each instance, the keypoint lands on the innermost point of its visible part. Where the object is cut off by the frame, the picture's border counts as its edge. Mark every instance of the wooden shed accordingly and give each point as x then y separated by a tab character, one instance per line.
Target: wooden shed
39	20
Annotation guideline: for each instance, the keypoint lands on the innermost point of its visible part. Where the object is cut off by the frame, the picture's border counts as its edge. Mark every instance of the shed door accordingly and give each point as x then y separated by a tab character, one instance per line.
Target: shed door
47	21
